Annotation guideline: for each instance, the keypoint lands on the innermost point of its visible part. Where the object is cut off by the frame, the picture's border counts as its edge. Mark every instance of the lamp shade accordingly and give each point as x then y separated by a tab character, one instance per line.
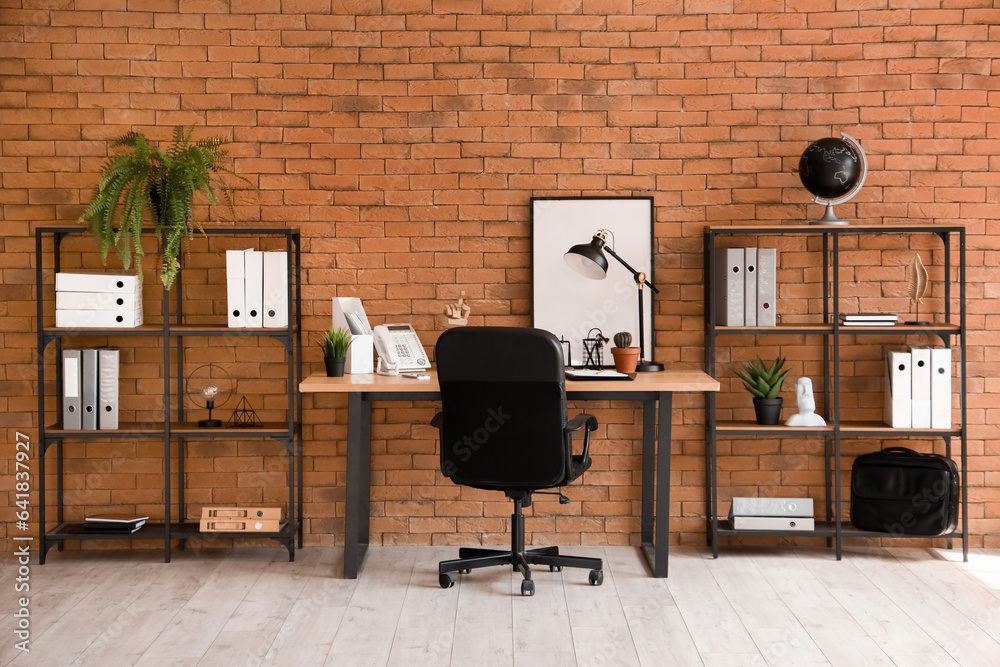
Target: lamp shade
588	260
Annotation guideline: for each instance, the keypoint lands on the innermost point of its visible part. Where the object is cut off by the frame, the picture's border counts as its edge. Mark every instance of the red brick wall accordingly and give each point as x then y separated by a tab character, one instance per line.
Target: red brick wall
404	139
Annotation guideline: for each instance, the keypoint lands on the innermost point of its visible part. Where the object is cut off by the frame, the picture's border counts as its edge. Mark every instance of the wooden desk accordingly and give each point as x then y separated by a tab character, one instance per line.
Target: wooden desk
650	388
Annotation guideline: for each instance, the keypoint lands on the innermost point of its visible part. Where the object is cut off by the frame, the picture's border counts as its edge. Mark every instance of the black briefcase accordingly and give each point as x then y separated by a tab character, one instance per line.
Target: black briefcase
903	492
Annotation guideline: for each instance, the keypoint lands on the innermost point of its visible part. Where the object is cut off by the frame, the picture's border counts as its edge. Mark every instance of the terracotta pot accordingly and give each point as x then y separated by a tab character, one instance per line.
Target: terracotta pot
625	358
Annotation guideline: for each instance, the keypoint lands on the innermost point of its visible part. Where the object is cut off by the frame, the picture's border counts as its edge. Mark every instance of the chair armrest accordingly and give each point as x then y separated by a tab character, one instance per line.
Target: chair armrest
575	424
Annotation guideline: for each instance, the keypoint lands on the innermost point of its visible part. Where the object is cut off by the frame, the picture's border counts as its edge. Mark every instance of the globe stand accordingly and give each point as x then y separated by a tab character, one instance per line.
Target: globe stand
829	218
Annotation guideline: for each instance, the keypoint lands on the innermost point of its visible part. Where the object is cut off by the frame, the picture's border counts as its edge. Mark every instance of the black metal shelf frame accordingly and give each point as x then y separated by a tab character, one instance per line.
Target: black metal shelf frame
831	330
173	333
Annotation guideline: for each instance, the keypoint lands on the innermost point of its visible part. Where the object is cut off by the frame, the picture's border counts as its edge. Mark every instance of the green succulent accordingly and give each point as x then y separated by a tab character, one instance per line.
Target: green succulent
763	382
141	178
335	343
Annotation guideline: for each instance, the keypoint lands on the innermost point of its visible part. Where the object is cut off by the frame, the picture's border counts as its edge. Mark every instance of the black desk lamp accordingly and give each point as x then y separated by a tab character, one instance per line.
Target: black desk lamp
588	260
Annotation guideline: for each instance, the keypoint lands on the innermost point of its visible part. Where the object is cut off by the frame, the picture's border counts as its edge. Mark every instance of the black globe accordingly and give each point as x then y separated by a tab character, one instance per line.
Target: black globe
830	168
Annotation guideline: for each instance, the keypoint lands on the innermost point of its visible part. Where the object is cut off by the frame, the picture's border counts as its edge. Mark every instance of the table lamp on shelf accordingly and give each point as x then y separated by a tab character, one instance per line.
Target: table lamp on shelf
588	260
210	387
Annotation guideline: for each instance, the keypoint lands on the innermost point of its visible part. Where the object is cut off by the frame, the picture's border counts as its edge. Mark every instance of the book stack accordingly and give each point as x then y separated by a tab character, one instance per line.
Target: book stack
90	389
98	300
257	288
745	287
114	523
868	320
772	514
240	520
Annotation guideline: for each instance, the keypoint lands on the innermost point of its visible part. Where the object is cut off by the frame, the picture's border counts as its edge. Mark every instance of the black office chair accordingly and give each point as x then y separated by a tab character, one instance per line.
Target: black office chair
503	427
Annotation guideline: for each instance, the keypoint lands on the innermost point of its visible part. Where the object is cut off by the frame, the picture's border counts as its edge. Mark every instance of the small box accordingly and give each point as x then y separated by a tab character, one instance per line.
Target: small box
97	282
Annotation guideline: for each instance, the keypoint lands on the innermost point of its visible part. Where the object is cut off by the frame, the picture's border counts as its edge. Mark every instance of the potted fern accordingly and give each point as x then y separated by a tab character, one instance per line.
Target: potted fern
141	178
626	357
335	343
764	383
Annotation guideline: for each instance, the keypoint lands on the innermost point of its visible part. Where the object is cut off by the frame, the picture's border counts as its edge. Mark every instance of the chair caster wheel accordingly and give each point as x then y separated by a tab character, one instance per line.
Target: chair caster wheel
446	579
527	587
596	577
555	568
464	571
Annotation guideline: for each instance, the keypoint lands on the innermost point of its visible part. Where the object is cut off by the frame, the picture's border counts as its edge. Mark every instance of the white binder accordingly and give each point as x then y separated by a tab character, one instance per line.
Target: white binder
897	388
276	288
767	304
107	388
97	282
773	523
253	288
98	301
71	401
940	387
88	391
235	297
750	278
729	287
780	507
920	387
100	319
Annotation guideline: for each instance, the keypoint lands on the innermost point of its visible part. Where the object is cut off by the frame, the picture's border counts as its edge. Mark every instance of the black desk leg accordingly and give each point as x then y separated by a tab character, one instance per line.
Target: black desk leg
648	509
359	463
656	524
663	449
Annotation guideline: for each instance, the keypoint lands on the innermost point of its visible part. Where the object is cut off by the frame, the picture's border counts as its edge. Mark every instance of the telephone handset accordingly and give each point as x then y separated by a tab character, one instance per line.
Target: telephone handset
399	349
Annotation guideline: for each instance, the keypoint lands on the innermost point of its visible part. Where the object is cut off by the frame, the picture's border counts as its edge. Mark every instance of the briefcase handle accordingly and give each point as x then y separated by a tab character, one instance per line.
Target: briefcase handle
898	450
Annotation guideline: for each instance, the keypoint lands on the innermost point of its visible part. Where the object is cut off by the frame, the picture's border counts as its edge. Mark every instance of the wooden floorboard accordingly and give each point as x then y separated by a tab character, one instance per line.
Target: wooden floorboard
752	606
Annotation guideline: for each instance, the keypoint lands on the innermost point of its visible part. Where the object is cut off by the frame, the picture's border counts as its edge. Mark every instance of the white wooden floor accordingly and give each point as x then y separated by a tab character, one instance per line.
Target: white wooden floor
750	607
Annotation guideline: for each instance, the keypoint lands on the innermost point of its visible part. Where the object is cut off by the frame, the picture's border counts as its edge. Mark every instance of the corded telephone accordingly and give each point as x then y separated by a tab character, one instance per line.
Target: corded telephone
399	349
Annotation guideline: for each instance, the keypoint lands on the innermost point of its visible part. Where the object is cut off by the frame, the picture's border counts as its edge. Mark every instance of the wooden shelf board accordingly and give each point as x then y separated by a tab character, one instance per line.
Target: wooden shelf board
846	428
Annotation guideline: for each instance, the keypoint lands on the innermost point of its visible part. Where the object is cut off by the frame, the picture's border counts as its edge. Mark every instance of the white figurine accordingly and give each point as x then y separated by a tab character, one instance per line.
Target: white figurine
806	415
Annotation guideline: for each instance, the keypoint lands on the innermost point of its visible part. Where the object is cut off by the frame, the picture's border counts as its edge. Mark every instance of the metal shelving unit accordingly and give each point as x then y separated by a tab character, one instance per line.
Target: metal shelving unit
950	332
172	332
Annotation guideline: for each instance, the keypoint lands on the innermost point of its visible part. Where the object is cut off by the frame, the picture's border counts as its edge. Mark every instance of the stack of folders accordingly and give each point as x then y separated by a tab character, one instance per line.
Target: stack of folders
745	287
863	320
240	519
90	389
98	300
918	387
114	523
772	514
257	288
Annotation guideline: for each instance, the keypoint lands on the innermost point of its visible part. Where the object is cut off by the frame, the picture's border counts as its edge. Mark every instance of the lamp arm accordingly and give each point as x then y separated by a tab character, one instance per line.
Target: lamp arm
638	277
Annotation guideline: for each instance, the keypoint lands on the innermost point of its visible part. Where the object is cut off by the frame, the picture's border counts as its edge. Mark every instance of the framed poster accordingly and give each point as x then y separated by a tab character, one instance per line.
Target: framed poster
571	305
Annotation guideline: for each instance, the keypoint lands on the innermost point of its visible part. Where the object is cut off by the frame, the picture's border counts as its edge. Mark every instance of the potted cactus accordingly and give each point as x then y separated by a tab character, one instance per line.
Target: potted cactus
626	356
764	383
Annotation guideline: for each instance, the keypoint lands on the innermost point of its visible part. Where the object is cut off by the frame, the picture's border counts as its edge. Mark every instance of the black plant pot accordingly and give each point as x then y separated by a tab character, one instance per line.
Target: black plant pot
768	410
335	366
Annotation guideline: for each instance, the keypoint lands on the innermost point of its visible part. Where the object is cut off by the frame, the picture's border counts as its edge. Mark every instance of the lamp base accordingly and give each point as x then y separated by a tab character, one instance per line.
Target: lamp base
209	423
648	366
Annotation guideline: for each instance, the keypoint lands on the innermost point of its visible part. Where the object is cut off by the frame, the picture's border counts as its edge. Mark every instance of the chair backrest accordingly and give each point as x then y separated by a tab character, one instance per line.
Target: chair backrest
503	394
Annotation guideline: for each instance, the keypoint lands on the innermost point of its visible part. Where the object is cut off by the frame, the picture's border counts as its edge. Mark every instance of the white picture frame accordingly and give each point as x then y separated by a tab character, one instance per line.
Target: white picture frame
570	305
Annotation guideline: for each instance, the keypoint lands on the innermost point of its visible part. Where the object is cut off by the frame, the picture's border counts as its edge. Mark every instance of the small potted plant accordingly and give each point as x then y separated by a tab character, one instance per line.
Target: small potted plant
764	383
626	356
335	343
